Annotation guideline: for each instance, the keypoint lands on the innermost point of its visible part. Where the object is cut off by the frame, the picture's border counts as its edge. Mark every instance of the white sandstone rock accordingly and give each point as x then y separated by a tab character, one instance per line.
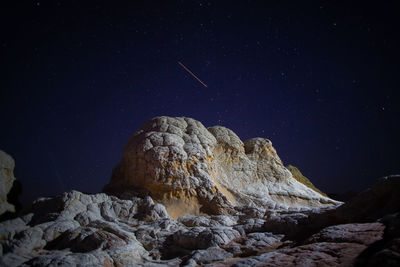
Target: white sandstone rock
194	170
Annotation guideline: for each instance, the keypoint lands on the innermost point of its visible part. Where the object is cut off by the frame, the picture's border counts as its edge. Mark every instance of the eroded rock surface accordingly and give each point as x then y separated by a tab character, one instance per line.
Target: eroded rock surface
333	246
185	195
7	179
76	229
194	170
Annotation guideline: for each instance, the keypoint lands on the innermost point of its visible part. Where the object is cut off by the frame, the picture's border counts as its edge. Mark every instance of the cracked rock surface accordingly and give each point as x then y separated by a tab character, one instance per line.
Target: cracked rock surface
76	229
196	170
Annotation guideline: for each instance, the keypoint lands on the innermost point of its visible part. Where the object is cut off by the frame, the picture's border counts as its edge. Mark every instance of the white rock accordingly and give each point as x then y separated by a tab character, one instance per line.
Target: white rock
194	170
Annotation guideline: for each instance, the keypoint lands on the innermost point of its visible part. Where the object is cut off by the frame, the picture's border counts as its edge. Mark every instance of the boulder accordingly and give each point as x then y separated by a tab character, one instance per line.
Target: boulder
194	170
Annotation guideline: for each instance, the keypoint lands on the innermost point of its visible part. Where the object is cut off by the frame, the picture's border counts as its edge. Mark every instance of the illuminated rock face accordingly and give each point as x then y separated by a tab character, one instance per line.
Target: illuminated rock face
194	170
6	181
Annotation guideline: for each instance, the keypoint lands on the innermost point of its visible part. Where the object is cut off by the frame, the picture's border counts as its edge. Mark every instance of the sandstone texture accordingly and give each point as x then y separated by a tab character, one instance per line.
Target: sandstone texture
204	199
76	229
7	179
196	170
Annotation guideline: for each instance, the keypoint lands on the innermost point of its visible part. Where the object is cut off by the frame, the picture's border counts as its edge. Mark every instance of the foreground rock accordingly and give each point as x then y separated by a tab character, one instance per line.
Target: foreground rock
385	252
7	179
76	229
195	170
333	246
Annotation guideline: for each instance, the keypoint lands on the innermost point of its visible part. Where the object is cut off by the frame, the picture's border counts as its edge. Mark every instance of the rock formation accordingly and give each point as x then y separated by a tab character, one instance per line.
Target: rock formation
191	196
75	229
194	170
7	179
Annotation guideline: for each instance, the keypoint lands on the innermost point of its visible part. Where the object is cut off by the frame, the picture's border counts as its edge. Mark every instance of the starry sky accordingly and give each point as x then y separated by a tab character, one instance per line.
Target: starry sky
318	78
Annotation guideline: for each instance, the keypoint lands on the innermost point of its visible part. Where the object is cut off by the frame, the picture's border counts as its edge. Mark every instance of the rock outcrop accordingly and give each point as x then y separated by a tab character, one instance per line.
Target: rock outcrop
184	195
194	170
7	179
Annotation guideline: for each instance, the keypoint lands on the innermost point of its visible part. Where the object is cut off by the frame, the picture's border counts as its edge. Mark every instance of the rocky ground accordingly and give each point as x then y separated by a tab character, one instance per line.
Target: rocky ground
76	229
185	195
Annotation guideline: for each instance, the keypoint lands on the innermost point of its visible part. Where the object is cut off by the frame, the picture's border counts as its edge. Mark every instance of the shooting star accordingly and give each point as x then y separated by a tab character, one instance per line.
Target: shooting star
191	73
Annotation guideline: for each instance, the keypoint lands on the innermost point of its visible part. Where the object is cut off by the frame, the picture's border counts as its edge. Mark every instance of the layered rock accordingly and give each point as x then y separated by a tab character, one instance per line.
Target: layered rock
7	179
194	170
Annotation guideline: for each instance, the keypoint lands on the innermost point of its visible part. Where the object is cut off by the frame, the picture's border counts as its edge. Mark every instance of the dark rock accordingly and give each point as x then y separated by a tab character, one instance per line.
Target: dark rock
385	252
381	199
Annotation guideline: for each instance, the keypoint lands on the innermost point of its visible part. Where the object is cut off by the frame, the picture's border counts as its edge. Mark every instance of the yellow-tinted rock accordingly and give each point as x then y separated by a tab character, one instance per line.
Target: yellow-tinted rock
302	179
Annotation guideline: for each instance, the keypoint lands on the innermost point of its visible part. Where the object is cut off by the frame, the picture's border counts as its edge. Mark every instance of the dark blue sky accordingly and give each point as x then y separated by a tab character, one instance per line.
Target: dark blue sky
319	79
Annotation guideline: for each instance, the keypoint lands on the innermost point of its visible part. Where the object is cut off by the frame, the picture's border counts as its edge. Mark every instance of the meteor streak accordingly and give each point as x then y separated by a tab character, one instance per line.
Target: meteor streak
191	73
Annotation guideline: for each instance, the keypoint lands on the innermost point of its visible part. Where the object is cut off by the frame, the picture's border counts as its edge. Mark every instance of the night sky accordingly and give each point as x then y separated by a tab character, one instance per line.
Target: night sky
319	79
